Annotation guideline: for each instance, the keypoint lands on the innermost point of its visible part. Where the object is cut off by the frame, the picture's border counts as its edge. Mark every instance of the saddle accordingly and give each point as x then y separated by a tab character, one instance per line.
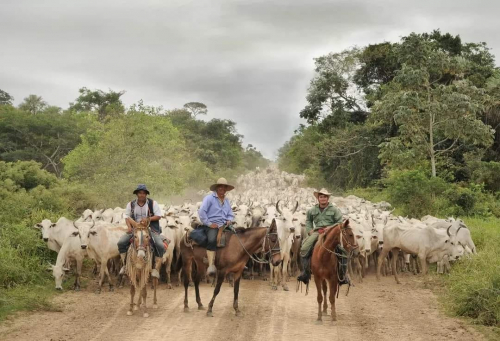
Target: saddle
223	235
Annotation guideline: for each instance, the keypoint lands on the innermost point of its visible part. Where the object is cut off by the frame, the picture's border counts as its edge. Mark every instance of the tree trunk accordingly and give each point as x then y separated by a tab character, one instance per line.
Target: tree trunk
431	136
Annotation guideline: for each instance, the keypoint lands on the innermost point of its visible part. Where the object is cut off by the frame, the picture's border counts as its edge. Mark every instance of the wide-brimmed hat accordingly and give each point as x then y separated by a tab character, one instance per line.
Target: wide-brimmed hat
141	187
322	191
221	181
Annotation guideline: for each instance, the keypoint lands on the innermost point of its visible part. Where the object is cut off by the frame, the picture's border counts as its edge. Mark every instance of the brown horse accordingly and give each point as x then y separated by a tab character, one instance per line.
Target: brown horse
239	248
324	263
138	267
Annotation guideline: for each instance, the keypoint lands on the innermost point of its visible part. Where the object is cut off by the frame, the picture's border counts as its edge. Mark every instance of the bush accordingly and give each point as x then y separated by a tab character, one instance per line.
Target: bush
473	286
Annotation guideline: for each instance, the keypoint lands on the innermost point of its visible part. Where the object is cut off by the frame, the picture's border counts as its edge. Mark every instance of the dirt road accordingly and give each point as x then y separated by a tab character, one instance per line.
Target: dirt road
373	310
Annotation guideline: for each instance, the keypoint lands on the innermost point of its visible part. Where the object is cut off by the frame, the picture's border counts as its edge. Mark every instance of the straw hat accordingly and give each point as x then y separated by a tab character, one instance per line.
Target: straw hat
221	181
322	191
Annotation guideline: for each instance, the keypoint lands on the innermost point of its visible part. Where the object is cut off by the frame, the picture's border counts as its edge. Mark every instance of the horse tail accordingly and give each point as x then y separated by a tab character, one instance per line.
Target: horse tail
178	264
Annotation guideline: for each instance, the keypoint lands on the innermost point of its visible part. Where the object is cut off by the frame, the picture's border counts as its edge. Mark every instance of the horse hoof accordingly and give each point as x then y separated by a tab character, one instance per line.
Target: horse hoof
129	313
98	291
285	288
120	286
186	309
318	322
155	306
169	286
201	307
145	315
77	289
136	308
209	314
238	313
111	289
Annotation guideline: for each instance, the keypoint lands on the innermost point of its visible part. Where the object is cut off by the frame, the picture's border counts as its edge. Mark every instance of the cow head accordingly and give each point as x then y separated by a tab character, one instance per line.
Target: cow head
46	227
58	272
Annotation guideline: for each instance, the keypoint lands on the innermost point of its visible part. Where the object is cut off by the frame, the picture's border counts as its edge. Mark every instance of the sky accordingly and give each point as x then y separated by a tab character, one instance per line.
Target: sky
248	61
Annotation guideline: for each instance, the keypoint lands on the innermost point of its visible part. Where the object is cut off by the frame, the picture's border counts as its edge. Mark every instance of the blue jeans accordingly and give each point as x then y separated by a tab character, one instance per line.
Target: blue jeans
158	249
206	237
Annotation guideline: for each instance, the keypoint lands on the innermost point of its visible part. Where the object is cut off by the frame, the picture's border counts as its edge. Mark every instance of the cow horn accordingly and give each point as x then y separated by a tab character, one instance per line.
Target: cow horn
93	223
251	204
373	221
296	207
278	208
456	233
74	224
448	231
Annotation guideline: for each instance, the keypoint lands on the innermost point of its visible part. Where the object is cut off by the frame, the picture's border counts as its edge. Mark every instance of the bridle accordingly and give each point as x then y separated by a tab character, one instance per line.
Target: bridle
274	249
343	237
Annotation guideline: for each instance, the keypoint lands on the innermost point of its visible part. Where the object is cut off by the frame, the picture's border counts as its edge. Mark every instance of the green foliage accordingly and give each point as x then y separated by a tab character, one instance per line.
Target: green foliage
45	137
33	104
5	98
196	108
136	148
105	104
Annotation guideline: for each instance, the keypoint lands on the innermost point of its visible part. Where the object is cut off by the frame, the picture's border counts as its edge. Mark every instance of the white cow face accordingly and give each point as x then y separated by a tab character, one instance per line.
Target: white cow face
46	227
59	272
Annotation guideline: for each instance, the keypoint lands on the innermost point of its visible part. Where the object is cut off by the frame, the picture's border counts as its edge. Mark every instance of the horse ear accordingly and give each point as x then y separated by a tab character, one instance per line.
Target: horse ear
346	223
273	224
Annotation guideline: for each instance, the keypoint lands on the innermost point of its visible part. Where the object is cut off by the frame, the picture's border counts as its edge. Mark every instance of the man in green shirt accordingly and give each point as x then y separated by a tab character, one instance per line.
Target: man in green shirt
322	215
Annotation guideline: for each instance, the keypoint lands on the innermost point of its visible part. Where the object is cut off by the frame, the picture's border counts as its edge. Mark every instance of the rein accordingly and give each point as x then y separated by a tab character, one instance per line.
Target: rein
273	250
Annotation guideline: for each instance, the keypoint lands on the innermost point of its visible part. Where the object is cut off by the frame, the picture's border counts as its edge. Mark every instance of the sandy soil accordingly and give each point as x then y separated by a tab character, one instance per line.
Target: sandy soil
373	310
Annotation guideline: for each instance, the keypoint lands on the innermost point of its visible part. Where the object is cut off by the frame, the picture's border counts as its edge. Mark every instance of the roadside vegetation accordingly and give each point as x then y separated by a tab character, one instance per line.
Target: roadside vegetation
56	163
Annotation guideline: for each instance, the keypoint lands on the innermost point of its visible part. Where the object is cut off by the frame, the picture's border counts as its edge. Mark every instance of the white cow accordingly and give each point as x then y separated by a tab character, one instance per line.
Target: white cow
54	234
71	250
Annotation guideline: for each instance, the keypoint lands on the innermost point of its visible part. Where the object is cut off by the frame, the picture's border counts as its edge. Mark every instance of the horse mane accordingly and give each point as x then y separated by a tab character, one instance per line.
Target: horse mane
242	230
132	272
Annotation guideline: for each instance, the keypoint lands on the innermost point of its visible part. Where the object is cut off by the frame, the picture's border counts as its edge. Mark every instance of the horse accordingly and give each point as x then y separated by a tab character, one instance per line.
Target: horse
324	263
232	258
138	267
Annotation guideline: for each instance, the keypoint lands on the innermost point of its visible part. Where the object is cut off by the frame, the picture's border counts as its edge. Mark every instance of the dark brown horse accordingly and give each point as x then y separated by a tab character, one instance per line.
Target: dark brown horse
324	263
230	259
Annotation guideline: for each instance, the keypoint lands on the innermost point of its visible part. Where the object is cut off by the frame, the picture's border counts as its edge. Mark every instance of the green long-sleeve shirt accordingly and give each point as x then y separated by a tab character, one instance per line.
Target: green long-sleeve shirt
331	215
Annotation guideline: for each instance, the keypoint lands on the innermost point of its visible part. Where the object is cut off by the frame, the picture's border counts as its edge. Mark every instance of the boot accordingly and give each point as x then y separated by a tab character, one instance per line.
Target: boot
212	270
305	276
122	257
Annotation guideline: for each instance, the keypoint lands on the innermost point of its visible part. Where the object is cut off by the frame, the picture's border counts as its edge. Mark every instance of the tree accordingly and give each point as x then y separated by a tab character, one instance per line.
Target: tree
332	93
5	98
105	104
196	108
434	116
45	138
33	104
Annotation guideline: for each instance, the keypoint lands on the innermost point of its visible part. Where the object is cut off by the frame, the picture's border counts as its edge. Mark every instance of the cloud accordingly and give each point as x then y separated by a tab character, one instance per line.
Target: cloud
249	61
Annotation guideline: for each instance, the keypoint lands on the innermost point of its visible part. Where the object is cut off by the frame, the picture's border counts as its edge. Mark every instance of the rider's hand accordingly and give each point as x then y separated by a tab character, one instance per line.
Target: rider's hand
214	226
144	221
228	223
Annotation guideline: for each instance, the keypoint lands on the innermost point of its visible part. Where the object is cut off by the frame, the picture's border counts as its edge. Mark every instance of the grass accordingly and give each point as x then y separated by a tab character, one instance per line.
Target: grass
26	298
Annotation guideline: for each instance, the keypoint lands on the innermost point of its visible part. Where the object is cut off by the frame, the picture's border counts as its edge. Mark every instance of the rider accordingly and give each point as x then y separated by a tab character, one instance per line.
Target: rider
319	216
215	212
140	210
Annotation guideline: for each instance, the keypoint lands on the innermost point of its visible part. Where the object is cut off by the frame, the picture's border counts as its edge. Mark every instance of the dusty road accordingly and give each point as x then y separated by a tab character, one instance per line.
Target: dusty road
373	310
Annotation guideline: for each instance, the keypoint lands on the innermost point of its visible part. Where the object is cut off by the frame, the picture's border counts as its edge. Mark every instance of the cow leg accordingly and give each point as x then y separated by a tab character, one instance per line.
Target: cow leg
357	263
423	261
144	307
220	280
102	273
382	256
168	270
132	294
333	291
110	281
394	265
325	303
284	274
155	282
78	273
319	298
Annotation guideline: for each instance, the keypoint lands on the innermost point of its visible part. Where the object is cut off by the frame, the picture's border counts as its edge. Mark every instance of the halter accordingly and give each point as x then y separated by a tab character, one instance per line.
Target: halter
348	244
273	250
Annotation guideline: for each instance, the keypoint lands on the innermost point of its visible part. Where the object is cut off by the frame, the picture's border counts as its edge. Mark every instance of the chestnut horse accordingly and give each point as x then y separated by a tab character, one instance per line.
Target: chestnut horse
239	248
324	263
138	267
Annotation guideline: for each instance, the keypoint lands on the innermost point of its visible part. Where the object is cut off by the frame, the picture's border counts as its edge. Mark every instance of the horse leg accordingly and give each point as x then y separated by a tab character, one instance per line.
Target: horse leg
110	282
220	280
333	291
236	292
318	282
144	308
155	282
325	302
132	293
186	268
197	280
168	270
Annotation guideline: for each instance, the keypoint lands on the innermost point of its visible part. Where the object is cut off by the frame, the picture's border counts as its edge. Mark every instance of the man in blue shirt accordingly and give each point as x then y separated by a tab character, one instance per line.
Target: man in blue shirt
215	212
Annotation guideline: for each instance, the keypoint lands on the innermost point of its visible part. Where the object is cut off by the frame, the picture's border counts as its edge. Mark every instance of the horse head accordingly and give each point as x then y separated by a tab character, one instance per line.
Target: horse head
272	244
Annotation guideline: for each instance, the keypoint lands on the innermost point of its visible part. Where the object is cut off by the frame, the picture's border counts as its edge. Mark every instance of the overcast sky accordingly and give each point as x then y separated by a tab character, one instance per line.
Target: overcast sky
248	61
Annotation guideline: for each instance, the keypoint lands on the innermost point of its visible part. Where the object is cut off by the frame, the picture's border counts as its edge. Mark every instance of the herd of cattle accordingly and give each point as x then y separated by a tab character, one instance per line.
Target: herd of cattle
393	243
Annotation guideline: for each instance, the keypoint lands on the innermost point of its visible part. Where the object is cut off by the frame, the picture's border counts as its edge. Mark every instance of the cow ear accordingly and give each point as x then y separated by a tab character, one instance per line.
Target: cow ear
53	225
65	269
50	267
447	240
37	226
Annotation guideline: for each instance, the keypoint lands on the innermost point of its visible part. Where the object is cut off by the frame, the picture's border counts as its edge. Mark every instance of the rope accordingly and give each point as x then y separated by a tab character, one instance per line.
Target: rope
254	258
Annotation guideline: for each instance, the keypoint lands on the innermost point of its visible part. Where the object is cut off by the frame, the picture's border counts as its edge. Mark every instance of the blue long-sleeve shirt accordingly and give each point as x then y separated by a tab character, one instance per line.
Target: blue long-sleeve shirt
212	211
